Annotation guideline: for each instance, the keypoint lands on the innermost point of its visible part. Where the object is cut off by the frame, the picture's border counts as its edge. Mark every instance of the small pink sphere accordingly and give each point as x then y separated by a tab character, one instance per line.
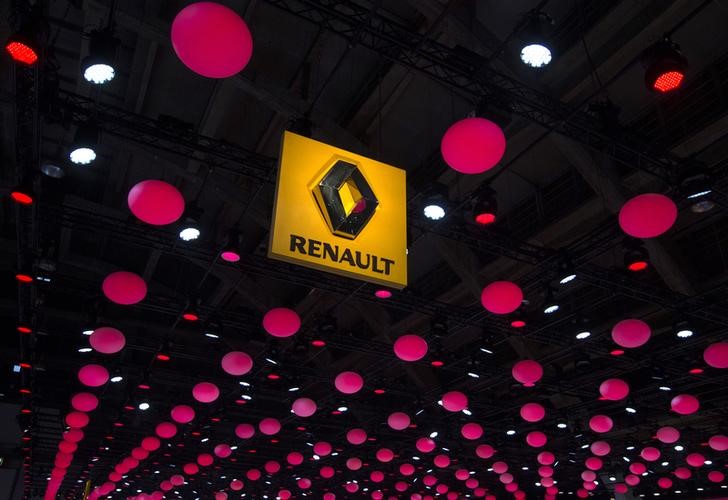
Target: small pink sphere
718	442
67	446
536	439
304	483
272	467
182	414
244	431
429	480
401	486
156	202
631	333
221	495
473	145
695	460
125	288
685	404
716	355
385	455
545	458
664	483
205	459
329	496
471	431
356	436
253	474
281	322
715	476
638	467
410	347
527	372
649	453
454	401
166	485
107	340
485	451
600	423
594	463
351	487
547	481
177	480
191	469
442	461
506	478
500	467
327	472
166	430
668	434
398	421
222	450
532	412
425	445
353	463
294	458
93	375
284	494
377	476
322	448
348	382
545	472
588	475
614	389
683	473
406	469
632	480
269	426
501	297
237	363
205	392
647	215
600	448
84	401
151	443
304	407
620	488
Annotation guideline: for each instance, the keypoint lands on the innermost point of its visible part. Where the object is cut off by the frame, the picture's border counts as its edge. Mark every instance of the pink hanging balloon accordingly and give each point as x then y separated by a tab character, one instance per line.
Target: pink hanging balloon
353	463
472	431
284	494
221	495
351	487
532	412
410	347
269	426
614	389
84	401
639	467
685	404
93	375
442	461
485	451
715	476
593	463
322	448
501	297
244	431
304	483
67	446
294	458
668	434
107	340
156	202
223	450
600	423
588	475
151	443
649	453
500	467
398	421
683	473
205	392
536	439
647	215
631	333
695	460
545	458
632	480
125	288
473	145
272	467
406	469
356	436
177	480
253	474
182	414
377	476
527	372
166	430
429	480
385	455
205	459
600	448
664	483
237	363
281	322
719	442
303	407
425	445
716	355
236	485
348	382
191	469
327	472
454	401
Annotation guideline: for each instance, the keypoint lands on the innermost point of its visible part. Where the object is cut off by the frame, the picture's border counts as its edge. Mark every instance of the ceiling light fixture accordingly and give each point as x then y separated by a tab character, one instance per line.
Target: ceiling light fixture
683	330
636	258
535	51
583	335
697	189
98	66
550	305
144	406
85	142
23	45
665	66
485	206
434	207
231	250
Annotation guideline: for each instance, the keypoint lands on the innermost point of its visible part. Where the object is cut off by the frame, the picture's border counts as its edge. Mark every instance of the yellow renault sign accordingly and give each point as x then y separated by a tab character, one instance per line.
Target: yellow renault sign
340	212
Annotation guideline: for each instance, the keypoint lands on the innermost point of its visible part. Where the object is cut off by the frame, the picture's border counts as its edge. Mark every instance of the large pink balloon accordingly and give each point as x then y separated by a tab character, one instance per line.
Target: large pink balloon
244	431
281	322
536	439
600	448
588	475
472	431
484	451
639	467
527	372
205	459
93	375
695	460
205	392
664	483
647	215
191	469
454	401
532	412
107	340
304	407
719	442
442	461
473	145
685	404
156	202
322	448
125	288
182	414
500	467
269	426
668	434
294	458
223	450
356	436
425	444
327	472
353	463
594	463
138	453
151	443
600	423
683	473
632	480
715	476
84	401
236	485
501	297
177	480
631	333
410	347
237	363
398	421
649	453
211	40
166	430
545	458
77	420
67	446
716	355
406	469
614	389
348	382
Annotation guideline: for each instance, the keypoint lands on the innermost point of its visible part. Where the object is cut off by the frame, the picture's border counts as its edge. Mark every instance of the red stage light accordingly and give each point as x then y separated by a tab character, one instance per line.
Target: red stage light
273	376
318	343
485	218
163	357
616	352
128	408
437	363
518	323
24	278
21	52
25	410
25	365
190	316
24	329
379	391
669	80
21	198
24	391
696	371
638	266
145	387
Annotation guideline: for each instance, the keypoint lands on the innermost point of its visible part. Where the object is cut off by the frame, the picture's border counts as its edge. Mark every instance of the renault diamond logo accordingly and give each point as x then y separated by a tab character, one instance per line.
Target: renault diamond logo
345	199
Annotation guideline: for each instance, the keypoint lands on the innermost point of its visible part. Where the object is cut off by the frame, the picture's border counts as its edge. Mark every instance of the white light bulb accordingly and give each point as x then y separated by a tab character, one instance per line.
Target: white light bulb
536	55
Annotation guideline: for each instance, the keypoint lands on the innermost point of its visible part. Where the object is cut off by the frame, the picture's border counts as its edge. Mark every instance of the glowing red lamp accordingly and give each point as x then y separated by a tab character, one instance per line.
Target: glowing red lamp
21	52
666	67
163	357
21	197
318	343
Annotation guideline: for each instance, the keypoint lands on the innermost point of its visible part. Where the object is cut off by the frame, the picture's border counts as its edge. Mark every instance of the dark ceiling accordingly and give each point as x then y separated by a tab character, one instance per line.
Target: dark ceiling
383	79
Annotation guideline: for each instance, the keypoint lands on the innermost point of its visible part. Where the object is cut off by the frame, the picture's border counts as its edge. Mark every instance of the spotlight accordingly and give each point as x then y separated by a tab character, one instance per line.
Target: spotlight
561	424
566	272
144	406
83	148
163	354
682	329
116	379
636	258
535	51
583	335
630	409
23	193
53	170
697	189
190	228
231	251
550	305
435	205
98	66
485	207
665	66
23	45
